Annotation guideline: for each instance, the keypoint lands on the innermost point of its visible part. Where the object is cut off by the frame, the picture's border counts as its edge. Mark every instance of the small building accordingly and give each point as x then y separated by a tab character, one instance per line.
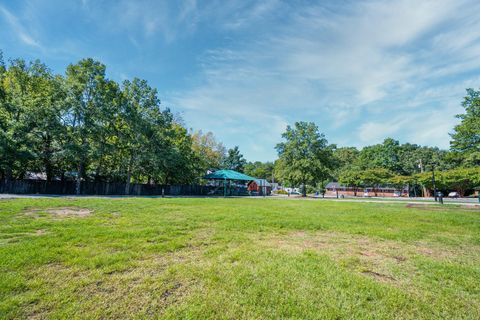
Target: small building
381	191
260	186
230	181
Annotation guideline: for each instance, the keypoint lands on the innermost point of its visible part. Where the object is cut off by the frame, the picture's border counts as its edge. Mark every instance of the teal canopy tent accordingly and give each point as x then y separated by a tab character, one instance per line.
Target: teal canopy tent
228	175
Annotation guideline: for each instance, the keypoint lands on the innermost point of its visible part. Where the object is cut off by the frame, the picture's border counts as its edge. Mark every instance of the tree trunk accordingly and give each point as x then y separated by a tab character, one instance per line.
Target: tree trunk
79	178
48	171
47	157
304	190
428	193
424	189
8	174
97	174
129	176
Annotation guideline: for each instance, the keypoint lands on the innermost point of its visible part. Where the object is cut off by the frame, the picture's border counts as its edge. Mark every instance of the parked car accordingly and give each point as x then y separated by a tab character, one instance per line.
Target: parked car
453	195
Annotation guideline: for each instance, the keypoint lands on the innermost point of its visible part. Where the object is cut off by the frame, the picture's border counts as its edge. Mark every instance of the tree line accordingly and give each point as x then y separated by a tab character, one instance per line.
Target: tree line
86	127
307	159
83	126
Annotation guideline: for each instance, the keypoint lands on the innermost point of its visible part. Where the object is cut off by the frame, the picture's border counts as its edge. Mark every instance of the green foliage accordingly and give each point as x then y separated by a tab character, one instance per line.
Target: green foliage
402	159
305	157
364	178
343	158
401	181
261	170
377	176
352	177
208	151
31	109
386	155
234	160
472	159
460	180
466	136
88	125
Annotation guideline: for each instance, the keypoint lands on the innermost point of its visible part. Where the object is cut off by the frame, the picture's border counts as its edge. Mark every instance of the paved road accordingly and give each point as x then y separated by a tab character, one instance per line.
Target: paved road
459	201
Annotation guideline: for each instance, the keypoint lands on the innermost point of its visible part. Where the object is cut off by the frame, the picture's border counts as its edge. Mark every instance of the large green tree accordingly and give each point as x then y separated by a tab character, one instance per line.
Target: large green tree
86	125
140	112
14	130
305	157
466	135
234	160
208	151
48	95
85	83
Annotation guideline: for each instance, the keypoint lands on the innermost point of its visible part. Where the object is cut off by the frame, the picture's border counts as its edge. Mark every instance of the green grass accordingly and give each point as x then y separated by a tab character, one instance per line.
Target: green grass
237	258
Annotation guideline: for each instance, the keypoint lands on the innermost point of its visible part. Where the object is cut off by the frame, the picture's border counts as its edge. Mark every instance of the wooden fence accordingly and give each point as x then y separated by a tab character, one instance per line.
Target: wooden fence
103	188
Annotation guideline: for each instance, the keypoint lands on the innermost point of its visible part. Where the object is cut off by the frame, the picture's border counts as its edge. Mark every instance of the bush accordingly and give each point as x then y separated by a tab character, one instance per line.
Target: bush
311	189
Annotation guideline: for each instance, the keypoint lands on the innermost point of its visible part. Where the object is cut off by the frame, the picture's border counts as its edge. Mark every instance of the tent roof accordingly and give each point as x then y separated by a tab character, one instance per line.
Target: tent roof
228	175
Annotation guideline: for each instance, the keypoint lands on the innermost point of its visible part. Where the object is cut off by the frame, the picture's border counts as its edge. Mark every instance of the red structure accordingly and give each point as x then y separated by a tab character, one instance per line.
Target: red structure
380	191
260	186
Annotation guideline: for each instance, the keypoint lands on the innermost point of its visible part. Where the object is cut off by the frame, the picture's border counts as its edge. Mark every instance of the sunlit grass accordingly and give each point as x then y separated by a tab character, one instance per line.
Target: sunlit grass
237	258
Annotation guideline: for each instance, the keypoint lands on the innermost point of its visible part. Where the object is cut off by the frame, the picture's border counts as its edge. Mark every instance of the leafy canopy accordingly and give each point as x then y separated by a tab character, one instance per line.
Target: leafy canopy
305	157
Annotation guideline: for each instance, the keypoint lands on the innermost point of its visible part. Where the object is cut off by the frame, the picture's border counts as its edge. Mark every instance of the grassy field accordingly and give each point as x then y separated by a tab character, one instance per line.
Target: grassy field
237	259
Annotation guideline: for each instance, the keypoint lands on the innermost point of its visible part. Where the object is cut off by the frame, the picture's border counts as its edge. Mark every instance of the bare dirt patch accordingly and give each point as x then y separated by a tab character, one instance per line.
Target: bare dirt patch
59	212
383	260
378	276
40	232
19	236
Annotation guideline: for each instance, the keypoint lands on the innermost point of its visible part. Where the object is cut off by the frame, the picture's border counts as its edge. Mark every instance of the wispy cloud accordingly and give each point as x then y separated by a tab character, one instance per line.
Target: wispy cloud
145	19
362	70
17	27
365	60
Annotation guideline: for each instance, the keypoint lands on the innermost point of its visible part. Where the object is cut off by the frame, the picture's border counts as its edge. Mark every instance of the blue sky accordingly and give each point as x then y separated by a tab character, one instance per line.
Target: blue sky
362	70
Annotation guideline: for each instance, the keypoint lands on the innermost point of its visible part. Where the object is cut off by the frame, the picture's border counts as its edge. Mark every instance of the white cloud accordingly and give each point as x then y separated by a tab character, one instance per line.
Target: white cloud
18	28
372	59
374	68
430	128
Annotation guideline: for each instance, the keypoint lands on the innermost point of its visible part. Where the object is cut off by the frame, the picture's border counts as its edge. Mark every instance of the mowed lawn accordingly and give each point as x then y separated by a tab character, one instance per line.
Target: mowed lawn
237	259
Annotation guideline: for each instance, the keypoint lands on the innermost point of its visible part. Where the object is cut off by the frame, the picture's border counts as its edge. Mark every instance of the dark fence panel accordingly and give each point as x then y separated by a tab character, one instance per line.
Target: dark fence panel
103	188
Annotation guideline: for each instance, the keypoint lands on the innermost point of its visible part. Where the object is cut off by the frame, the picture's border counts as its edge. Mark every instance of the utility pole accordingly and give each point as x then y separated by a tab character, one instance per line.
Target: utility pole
420	165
